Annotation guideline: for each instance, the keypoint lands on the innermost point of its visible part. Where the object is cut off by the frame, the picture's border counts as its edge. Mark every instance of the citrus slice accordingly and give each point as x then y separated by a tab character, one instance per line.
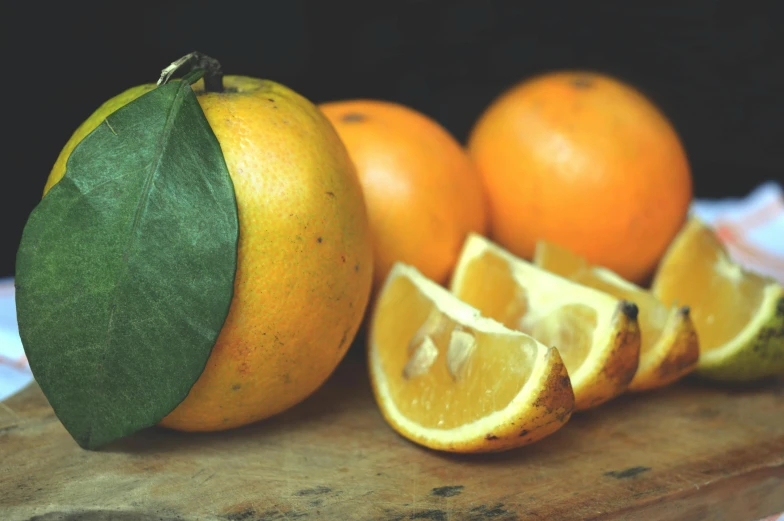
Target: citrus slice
739	315
449	379
669	348
596	334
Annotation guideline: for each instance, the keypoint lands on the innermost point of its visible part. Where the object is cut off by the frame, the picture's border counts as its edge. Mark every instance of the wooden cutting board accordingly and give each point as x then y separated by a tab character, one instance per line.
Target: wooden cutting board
689	452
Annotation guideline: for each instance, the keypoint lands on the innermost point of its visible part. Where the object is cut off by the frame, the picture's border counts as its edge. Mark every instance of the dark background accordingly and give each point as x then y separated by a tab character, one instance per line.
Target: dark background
716	68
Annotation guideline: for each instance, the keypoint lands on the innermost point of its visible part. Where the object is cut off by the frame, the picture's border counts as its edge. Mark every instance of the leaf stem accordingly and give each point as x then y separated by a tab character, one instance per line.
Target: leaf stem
213	74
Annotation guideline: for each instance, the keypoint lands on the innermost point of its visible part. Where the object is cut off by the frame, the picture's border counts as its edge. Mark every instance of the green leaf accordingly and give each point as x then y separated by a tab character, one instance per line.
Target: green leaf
125	271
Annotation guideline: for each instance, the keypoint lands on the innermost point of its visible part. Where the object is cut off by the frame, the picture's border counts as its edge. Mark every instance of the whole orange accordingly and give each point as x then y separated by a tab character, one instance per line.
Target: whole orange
586	161
421	189
304	267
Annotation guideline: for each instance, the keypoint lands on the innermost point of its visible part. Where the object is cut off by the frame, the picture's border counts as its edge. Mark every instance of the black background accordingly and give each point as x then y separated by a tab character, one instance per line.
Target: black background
716	68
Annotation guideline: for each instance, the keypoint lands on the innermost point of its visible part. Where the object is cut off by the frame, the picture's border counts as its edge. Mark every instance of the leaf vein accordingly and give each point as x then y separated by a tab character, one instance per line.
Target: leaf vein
146	191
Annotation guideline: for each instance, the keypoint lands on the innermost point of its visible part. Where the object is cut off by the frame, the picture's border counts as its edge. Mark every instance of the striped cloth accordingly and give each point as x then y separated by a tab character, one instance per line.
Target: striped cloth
751	228
14	371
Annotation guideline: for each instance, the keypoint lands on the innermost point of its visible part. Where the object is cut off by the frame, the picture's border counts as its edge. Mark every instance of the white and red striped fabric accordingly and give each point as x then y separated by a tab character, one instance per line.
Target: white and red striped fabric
751	228
14	371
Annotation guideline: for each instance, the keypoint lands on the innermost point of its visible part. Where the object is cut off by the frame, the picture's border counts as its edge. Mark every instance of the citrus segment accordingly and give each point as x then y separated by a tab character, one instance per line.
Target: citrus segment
669	347
738	314
449	379
597	335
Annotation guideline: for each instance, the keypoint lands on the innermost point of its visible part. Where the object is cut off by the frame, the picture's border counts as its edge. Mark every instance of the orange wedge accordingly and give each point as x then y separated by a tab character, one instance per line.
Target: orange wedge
449	379
596	334
739	315
669	348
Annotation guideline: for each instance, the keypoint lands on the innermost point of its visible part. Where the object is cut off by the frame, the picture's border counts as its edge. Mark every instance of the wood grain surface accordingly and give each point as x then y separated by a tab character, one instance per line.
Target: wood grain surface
689	452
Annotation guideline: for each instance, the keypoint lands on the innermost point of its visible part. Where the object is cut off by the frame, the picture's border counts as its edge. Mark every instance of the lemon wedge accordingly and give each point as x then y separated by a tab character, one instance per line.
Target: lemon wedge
449	379
596	334
739	315
669	347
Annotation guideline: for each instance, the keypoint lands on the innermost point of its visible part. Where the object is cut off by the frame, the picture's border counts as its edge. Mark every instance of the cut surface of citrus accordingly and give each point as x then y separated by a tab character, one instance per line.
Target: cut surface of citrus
596	334
739	315
669	346
449	379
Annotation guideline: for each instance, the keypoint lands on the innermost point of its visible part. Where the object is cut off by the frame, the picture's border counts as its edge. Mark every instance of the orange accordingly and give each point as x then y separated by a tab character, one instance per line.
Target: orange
596	334
585	161
422	191
304	261
669	346
738	314
450	379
